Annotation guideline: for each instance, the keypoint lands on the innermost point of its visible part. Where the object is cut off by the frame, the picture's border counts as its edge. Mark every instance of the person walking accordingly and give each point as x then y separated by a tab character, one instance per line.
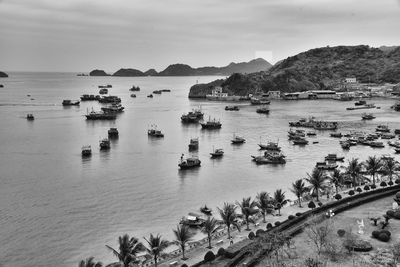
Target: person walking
231	241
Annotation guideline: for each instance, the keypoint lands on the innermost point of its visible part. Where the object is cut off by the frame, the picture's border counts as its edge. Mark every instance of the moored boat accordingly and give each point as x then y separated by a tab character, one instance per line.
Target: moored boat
105	144
211	124
263	110
217	153
336	135
394	144
68	102
376	144
150	96
87	97
327	166
270	157
86	151
232	108
194	144
110	99
134	88
113	132
133	95
270	146
382	128
300	141
189	163
396	106
334	157
153	132
30	117
360	103
192	116
367	116
103	91
237	139
192	220
93	115
113	108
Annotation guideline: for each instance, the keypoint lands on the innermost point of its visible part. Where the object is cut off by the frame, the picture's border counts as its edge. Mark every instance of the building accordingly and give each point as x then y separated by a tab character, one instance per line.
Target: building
324	94
274	94
218	95
350	80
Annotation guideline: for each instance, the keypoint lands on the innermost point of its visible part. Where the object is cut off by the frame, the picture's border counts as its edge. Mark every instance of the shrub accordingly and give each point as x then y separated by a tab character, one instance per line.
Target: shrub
383	237
351	192
393	214
320	204
397	181
390	183
291	217
338	197
277	223
311	205
373	186
359	190
366	188
375	234
259	232
184	265
269	226
341	232
298	214
358	245
386	232
251	235
383	184
221	252
209	256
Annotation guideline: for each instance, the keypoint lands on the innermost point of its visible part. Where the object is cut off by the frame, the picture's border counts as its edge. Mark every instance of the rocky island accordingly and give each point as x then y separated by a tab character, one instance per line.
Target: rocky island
98	73
128	73
3	74
316	69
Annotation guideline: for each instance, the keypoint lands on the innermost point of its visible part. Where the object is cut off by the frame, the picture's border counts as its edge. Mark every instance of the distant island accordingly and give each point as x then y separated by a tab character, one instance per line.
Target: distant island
316	69
255	65
3	74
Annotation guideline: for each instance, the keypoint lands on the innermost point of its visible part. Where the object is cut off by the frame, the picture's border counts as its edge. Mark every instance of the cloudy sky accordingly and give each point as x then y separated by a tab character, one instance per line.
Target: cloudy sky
80	35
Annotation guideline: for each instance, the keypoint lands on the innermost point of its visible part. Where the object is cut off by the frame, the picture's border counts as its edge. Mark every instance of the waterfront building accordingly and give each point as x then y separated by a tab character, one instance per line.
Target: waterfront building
217	94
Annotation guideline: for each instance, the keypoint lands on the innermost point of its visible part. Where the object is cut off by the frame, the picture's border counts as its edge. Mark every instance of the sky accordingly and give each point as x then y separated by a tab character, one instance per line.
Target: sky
82	35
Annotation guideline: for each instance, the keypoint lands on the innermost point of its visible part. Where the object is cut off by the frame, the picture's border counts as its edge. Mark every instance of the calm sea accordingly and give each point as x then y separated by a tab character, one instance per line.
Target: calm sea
54	205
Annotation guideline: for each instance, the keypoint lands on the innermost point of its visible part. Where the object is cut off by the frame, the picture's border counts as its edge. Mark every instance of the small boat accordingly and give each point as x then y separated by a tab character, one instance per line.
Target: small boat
237	140
360	103
395	144
260	100
270	146
30	117
86	151
263	110
93	115
87	97
113	108
165	90
189	163
192	220
296	134
336	135
113	132
105	144
157	92
134	88
133	95
270	157
192	116
150	96
105	86
396	131
388	136
217	153
396	106
367	116
211	124
206	210
327	166
311	133
334	157
345	145
376	144
382	128
397	150
300	141
110	99
232	108
103	91
153	132
194	144
67	102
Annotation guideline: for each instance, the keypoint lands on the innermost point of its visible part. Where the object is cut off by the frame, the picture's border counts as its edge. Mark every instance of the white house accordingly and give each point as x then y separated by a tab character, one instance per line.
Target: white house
350	80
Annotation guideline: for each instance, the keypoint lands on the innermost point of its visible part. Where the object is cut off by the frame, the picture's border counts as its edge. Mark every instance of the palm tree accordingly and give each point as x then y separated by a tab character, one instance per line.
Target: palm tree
89	262
353	170
229	217
279	199
128	249
299	189
182	236
337	179
390	166
317	181
210	226
373	164
263	203
156	245
247	207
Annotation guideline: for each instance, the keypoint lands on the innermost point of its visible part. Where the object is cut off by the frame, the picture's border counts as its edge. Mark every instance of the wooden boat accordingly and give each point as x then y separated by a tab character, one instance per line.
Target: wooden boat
189	163
395	144
67	102
326	166
113	132
30	117
192	116
311	133
271	146
194	144
382	128
134	88
150	96
105	144
232	108
334	157
133	95
153	132
376	144
103	91
211	124
237	140
345	145
217	153
388	136
113	108
263	110
157	92
300	141
93	115
336	135
86	151
110	99
206	210
192	220
367	116
87	97
270	157
360	103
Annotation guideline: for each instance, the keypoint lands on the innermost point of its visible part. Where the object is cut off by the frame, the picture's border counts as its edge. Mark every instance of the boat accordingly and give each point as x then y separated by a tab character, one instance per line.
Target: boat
327	166
157	92
382	128
232	108
270	146
192	220
192	116
394	144
367	116
300	141
153	132
237	140
93	115
263	110
30	117
87	97
194	144
67	102
376	144
105	86
134	88
165	90
150	96
86	151
325	125
336	135
387	136
396	106
311	133
133	95
270	157
260	99
360	103
397	150
313	123
113	108
105	144
295	134
189	163
366	106
345	145
103	91
113	132
206	210
396	131
110	99
217	153
211	124
333	157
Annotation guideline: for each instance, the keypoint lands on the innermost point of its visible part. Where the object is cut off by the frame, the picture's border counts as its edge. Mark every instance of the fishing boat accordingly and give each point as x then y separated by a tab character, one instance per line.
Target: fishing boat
192	220
376	144
113	132
300	141
153	132
189	163
394	144
367	116
103	91
150	96
260	100
387	136
263	110
333	157
133	95
86	151
110	99
30	117
93	115
396	106
206	210
113	108
237	139
134	88
217	153
295	134
270	157
211	124
194	144
382	128
192	116
67	102
232	108
311	133
360	103
327	166
105	144
325	125
345	145
270	146
87	97
157	92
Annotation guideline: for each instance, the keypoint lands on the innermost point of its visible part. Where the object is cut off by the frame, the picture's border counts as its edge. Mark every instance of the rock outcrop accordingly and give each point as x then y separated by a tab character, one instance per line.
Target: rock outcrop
128	73
3	74
98	73
151	72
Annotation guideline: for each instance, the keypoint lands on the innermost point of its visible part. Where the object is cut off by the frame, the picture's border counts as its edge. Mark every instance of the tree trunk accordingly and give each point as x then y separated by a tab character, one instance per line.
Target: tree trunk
373	179
264	221
229	233
247	224
317	195
183	252
299	203
155	260
209	240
